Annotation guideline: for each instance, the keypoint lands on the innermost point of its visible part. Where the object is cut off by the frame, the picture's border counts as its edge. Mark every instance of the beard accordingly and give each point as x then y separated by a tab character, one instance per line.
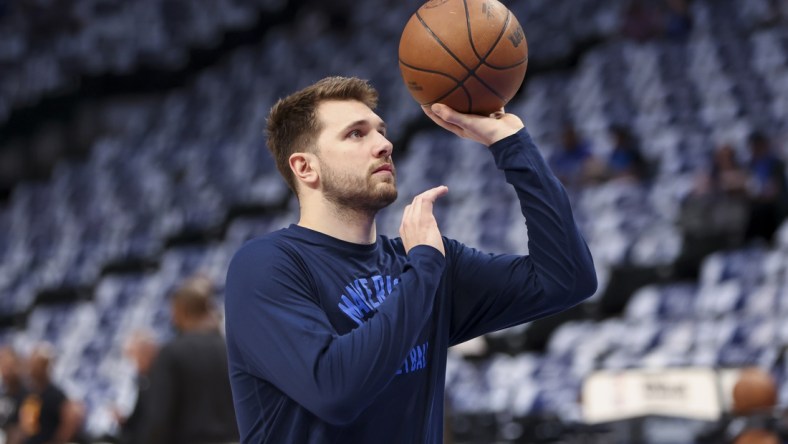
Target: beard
359	193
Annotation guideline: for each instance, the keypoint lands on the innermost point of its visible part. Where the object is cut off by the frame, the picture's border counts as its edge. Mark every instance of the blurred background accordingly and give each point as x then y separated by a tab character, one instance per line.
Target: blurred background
132	158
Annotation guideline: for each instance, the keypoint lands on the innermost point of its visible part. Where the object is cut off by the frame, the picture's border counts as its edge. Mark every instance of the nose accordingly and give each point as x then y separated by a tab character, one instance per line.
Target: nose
383	146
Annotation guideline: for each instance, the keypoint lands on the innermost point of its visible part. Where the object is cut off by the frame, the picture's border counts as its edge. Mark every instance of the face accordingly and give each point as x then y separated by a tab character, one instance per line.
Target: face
355	165
176	316
569	138
9	365
39	366
726	157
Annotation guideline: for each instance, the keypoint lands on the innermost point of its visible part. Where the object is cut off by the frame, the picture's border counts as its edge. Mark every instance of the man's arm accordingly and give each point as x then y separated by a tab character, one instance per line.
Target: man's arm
497	291
277	331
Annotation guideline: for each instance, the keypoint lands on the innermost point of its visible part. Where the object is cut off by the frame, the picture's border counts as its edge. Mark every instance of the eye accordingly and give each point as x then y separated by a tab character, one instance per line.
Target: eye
354	134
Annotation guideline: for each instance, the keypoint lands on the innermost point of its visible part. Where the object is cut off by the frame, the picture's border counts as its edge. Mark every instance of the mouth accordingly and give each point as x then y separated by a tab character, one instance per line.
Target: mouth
386	167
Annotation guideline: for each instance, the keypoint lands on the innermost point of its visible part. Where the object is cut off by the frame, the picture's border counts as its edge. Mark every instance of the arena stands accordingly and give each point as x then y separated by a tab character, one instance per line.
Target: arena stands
175	178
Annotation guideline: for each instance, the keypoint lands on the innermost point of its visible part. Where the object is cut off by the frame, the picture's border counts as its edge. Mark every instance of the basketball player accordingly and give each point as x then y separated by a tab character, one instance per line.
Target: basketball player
338	334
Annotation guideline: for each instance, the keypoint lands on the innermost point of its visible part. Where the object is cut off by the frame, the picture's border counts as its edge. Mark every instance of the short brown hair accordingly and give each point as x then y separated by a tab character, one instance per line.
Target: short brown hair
292	123
194	297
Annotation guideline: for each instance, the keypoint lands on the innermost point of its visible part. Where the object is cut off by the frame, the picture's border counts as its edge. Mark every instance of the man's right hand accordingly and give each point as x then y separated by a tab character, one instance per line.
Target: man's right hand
483	129
419	226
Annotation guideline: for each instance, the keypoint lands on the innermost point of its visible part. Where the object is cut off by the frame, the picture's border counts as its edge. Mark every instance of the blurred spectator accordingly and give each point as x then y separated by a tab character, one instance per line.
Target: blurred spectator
727	176
573	162
643	21
625	160
142	349
752	417
47	416
714	216
754	399
640	21
14	392
189	400
677	23
768	189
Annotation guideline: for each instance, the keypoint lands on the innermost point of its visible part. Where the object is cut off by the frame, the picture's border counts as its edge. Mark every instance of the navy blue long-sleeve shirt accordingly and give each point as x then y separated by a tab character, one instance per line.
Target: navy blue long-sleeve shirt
335	342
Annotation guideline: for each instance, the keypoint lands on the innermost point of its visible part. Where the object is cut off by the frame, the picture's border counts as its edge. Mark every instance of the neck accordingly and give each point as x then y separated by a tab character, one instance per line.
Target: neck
206	323
347	224
41	384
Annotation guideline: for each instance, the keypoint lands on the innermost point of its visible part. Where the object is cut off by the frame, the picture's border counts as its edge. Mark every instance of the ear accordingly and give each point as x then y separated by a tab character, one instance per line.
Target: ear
306	169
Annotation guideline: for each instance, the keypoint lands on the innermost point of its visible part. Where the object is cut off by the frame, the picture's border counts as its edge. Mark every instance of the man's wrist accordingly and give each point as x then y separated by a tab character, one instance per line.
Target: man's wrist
509	124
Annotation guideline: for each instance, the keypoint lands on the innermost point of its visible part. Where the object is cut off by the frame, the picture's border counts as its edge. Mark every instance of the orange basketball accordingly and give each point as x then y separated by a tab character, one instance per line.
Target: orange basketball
468	54
754	391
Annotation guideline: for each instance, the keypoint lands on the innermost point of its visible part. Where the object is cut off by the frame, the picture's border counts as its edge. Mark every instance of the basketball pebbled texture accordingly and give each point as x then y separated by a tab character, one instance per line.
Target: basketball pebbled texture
468	54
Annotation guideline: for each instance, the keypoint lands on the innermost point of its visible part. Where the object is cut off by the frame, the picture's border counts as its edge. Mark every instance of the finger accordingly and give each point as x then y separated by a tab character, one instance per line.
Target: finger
498	114
442	123
432	194
424	201
418	206
405	220
407	213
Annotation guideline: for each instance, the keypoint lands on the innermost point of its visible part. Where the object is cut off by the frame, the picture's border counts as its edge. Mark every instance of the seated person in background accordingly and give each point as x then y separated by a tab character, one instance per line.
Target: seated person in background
728	177
640	21
13	394
47	415
677	22
751	419
725	178
768	189
625	160
714	215
754	397
573	161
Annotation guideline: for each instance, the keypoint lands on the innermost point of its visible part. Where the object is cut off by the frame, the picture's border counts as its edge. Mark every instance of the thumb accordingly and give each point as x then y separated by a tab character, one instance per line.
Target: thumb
433	194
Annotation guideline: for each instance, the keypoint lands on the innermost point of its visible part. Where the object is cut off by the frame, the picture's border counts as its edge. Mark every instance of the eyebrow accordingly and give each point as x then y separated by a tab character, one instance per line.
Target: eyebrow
363	122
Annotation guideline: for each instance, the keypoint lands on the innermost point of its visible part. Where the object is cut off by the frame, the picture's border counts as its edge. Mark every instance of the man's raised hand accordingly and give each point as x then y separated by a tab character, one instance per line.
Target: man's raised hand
419	226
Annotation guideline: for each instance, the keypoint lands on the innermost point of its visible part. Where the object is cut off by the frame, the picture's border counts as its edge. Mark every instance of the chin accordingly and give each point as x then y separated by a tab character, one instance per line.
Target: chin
387	197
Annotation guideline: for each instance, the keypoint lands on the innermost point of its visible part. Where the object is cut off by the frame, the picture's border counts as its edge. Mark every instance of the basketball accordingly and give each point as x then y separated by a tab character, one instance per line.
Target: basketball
754	391
468	54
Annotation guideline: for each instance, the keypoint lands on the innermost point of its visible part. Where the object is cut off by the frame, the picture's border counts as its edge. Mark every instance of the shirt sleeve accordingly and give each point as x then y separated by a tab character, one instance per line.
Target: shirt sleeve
492	292
277	331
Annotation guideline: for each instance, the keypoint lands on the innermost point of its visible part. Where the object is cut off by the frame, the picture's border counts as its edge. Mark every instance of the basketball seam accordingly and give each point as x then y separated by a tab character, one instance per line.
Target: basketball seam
483	60
470	34
439	41
416	68
472	72
460	84
506	67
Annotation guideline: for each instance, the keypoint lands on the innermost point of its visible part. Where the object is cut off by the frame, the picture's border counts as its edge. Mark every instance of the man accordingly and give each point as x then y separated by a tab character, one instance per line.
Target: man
142	349
47	415
754	416
769	189
189	399
337	334
13	394
573	163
